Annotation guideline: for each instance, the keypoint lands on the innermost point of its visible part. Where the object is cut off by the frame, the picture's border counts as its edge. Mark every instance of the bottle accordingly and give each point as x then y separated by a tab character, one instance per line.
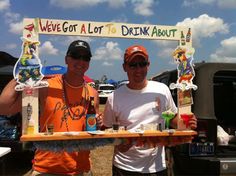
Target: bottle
188	36
182	38
91	124
30	125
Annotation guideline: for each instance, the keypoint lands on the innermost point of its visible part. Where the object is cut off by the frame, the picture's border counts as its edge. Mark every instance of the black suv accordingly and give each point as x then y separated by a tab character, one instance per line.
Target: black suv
215	106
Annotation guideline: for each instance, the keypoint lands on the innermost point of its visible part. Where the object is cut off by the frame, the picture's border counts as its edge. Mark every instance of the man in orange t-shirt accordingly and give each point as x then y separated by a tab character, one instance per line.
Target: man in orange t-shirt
64	104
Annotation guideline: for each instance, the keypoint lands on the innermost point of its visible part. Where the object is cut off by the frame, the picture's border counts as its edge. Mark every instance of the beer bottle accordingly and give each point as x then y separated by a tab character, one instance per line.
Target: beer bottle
182	38
188	36
91	116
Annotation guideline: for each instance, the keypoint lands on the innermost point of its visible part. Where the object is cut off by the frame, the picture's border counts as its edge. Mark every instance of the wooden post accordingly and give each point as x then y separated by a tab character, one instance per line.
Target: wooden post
30	107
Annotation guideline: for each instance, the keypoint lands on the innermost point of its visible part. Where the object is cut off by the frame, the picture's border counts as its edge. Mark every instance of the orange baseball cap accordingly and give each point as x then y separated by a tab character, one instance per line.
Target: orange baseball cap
133	51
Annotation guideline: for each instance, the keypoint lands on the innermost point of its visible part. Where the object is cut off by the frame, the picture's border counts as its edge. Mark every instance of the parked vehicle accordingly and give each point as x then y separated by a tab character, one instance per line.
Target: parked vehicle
121	83
215	107
104	90
19	160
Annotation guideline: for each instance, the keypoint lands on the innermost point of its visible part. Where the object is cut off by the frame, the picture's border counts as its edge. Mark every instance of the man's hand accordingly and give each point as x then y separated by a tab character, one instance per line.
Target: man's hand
99	118
193	122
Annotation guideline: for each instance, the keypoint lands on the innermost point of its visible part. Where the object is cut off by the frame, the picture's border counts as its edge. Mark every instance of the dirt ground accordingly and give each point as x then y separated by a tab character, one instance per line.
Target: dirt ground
102	157
102	161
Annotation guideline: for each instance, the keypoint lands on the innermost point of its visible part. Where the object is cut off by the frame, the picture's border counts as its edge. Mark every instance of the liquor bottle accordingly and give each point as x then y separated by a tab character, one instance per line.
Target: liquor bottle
30	125
188	36
182	38
91	116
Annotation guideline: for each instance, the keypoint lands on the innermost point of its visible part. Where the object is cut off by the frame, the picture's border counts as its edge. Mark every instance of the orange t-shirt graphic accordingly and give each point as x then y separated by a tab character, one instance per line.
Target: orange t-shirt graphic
66	110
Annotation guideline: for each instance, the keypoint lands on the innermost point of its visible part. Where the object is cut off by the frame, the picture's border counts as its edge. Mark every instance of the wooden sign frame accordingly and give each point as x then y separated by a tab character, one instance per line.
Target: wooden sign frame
34	27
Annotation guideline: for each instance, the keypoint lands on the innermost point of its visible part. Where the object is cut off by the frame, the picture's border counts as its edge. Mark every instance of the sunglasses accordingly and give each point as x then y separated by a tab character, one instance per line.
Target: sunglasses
134	65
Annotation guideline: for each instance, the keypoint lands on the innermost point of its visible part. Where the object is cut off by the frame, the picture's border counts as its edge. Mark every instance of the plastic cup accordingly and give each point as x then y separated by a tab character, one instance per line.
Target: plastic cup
186	118
167	116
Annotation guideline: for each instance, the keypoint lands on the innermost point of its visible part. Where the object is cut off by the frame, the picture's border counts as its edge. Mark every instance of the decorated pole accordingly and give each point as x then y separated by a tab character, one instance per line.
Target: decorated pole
183	56
27	72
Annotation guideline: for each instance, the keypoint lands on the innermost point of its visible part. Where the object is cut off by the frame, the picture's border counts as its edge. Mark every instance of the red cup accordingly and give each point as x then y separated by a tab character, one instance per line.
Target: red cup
186	118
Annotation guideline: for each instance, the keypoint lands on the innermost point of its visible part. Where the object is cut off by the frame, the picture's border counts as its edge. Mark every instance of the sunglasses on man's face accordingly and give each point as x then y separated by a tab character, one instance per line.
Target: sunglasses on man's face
134	65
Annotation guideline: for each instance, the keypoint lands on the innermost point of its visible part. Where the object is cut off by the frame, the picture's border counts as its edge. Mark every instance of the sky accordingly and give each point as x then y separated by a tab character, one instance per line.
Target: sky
212	22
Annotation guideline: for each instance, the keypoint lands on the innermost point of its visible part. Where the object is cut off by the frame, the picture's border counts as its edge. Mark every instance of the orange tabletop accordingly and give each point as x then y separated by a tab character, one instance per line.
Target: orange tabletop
105	134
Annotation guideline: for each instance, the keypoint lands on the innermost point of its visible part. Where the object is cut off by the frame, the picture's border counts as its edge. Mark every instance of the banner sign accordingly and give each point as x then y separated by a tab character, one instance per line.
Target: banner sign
102	29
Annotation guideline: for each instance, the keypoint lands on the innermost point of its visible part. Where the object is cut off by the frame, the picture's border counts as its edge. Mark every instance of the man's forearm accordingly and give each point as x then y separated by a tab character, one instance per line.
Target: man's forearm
10	100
